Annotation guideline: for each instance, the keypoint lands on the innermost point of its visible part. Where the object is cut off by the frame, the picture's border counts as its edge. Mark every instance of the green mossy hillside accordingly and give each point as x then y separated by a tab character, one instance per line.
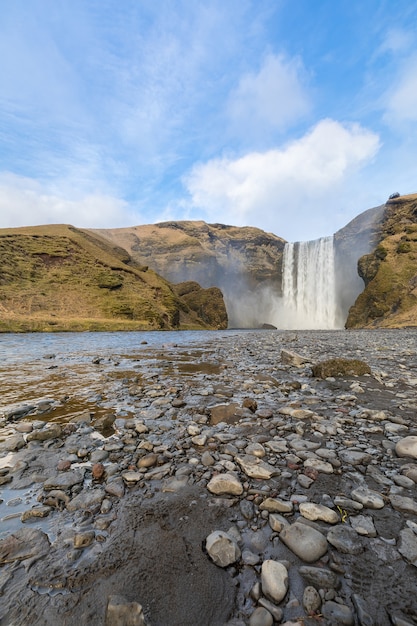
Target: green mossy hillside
389	299
55	278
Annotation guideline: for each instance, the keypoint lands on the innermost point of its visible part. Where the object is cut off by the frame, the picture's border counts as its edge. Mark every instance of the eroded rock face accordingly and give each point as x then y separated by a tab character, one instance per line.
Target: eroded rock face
389	271
238	260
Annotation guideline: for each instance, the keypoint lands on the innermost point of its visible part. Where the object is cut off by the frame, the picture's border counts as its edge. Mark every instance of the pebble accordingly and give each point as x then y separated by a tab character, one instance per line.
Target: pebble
306	542
274	580
313	512
407	447
225	484
222	548
368	498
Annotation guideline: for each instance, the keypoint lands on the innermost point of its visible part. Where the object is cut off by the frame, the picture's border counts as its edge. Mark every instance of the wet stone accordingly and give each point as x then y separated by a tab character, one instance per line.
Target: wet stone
64	481
261	617
306	542
320	577
369	498
313	512
339	614
345	539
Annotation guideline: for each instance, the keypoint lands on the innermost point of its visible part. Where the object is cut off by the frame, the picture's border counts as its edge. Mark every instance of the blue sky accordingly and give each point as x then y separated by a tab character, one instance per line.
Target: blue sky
290	115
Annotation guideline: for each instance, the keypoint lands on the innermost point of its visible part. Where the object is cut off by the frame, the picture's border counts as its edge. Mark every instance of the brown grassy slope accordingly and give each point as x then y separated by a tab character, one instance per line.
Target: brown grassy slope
389	299
59	277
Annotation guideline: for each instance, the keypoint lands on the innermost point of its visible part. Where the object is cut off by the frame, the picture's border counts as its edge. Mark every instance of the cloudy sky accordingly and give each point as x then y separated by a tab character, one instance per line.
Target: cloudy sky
290	115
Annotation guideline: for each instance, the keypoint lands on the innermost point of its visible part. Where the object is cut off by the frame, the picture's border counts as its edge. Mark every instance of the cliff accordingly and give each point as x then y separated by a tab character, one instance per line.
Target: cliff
59	277
244	262
389	272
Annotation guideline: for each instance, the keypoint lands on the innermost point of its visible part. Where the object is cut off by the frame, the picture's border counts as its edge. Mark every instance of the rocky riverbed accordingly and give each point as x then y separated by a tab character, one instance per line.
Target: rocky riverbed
214	483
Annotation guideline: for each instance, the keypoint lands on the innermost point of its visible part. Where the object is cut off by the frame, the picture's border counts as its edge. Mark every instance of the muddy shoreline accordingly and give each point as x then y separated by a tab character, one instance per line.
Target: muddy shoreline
113	462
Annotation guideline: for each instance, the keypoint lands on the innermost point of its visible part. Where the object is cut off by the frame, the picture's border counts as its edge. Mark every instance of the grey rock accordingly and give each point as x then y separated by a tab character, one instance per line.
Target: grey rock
64	480
338	614
87	500
311	600
403	504
255	468
320	577
364	525
261	617
407	545
306	542
369	498
222	548
345	539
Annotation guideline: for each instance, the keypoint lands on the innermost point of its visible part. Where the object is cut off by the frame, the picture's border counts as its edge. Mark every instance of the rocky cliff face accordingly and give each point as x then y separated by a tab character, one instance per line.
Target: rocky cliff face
390	271
244	262
63	278
354	240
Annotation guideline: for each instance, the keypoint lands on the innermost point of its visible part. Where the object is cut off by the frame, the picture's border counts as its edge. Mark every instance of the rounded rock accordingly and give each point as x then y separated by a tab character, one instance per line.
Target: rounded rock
407	447
306	542
274	580
313	512
222	548
225	484
261	617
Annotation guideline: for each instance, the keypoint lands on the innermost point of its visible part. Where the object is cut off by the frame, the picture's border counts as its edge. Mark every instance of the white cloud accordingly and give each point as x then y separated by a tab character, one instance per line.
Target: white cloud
271	100
274	187
26	202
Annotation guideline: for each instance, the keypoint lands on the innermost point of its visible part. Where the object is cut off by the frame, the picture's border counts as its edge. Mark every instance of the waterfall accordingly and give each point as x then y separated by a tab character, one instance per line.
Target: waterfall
308	285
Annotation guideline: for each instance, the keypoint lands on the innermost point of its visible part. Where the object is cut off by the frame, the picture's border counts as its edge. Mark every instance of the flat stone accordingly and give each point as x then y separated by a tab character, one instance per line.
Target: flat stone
354	457
274	505
255	468
292	358
345	539
313	511
348	504
149	460
222	548
87	500
277	522
407	545
115	488
261	617
364	525
14	442
36	512
339	614
369	498
306	542
319	465
403	504
64	481
50	431
320	577
84	539
274	580
407	447
225	484
24	544
131	477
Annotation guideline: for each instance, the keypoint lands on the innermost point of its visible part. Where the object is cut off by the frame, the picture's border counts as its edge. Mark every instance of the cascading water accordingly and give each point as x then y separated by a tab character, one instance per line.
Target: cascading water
308	285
